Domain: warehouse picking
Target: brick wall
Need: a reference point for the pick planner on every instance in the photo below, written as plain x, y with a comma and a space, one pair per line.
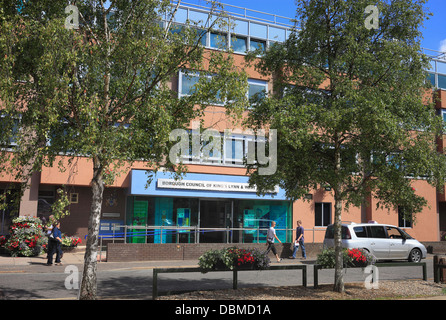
119, 252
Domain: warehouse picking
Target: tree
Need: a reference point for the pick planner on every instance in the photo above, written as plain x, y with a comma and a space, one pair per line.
351, 108
105, 89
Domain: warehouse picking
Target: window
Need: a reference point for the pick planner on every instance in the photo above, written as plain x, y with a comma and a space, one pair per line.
201, 37
234, 149
394, 233
11, 128
74, 197
257, 44
322, 214
345, 233
187, 82
377, 232
218, 40
238, 44
361, 232
257, 88
404, 218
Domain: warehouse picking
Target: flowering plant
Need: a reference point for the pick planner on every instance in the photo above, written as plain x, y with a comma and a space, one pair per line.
231, 258
359, 257
70, 241
26, 237
2, 241
351, 258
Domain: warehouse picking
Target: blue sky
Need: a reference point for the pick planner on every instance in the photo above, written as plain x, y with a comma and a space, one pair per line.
434, 31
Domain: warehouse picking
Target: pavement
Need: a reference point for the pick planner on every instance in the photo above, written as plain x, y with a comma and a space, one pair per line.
38, 264
76, 257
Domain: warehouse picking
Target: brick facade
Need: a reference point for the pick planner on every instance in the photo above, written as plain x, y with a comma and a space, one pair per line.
120, 252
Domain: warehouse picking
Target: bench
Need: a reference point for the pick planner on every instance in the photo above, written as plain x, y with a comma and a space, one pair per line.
157, 271
317, 267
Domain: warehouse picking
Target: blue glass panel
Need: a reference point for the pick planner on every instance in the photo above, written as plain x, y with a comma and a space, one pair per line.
441, 81
238, 44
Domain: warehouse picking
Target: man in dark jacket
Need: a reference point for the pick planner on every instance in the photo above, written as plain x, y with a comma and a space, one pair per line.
299, 241
55, 245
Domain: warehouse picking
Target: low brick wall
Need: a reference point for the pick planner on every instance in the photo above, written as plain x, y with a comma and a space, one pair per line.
438, 247
121, 252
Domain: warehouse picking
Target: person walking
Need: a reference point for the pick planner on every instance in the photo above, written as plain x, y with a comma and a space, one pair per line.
299, 242
270, 236
55, 245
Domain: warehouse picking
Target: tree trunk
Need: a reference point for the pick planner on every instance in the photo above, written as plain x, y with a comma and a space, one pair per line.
339, 266
89, 280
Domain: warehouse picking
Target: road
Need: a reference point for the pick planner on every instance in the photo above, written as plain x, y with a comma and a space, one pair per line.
134, 280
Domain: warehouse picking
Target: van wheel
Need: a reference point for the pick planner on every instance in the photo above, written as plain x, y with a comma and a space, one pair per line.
415, 255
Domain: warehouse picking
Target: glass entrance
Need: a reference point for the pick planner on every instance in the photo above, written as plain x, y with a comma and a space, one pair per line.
215, 214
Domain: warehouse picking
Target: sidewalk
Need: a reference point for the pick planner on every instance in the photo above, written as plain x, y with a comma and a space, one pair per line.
35, 265
24, 264
76, 257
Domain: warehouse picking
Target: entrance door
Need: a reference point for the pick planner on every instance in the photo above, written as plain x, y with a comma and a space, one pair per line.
215, 214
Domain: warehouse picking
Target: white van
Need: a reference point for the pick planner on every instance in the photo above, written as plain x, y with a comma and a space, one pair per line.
385, 242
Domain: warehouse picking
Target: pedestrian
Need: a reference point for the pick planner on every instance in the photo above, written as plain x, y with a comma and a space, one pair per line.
55, 245
299, 242
48, 229
270, 236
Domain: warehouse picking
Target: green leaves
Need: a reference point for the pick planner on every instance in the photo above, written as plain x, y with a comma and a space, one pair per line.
346, 96
109, 88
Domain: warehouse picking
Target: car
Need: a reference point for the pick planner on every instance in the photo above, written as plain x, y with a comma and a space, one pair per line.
385, 242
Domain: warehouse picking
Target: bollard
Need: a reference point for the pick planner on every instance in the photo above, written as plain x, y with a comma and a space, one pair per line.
439, 270
442, 262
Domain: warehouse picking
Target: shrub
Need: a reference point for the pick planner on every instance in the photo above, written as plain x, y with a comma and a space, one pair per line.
351, 258
70, 241
360, 258
231, 258
26, 237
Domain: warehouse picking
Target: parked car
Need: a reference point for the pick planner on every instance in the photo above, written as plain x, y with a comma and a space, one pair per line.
385, 242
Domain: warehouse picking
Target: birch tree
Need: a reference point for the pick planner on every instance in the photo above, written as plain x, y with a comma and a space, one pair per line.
98, 80
351, 108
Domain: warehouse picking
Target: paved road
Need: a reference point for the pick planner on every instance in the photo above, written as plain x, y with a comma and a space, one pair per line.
134, 280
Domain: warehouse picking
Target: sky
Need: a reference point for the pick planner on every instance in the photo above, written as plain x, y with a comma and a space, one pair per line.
434, 31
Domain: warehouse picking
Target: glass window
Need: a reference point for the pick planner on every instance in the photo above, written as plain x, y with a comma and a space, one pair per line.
394, 233
377, 232
360, 232
257, 44
322, 214
404, 219
277, 34
201, 37
147, 213
234, 149
258, 30
187, 83
257, 87
441, 81
441, 67
238, 44
218, 40
257, 215
431, 78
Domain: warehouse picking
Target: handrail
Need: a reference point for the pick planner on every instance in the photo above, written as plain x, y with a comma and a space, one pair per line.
164, 230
